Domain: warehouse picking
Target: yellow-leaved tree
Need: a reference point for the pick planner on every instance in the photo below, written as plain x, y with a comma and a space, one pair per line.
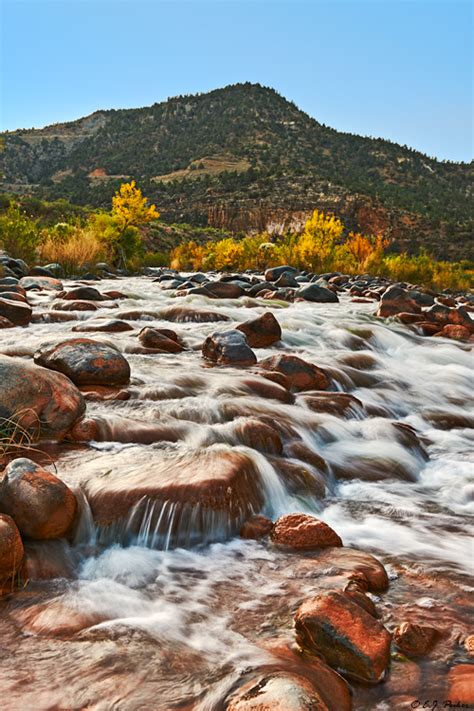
315, 247
129, 207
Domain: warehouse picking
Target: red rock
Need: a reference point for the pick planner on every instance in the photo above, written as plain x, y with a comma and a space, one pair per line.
48, 402
228, 348
300, 374
469, 645
85, 362
261, 332
75, 306
415, 640
427, 328
303, 532
461, 684
356, 565
256, 527
339, 404
42, 506
457, 333
405, 317
349, 638
396, 300
404, 677
121, 429
157, 339
11, 551
258, 435
361, 599
82, 293
263, 388
18, 313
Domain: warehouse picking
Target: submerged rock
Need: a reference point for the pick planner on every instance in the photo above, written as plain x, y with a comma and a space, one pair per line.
303, 532
415, 640
85, 362
42, 506
348, 637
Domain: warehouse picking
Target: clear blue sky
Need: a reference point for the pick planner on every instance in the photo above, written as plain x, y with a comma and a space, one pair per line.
400, 69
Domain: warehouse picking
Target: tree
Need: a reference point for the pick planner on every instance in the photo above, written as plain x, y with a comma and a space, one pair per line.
130, 208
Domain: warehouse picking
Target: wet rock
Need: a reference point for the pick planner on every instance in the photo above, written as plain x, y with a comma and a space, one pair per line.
408, 318
405, 677
5, 323
349, 638
300, 374
469, 645
41, 505
258, 435
267, 389
303, 532
85, 362
427, 328
256, 527
46, 402
83, 293
11, 551
357, 565
299, 478
339, 404
445, 420
299, 450
456, 333
360, 598
286, 279
160, 339
261, 332
75, 306
258, 289
316, 293
275, 272
415, 640
460, 685
219, 290
41, 283
284, 691
105, 326
228, 348
16, 312
121, 429
396, 300
186, 314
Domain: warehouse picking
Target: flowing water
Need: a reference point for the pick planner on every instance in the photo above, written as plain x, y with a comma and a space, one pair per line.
165, 607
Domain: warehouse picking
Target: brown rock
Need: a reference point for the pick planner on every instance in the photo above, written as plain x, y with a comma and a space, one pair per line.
349, 638
11, 550
263, 388
41, 400
405, 317
303, 532
5, 323
258, 435
17, 312
186, 314
339, 404
356, 565
396, 300
159, 340
256, 527
107, 326
121, 429
75, 306
415, 640
427, 328
457, 333
469, 645
461, 684
85, 362
83, 293
300, 374
300, 479
261, 332
42, 283
41, 505
228, 348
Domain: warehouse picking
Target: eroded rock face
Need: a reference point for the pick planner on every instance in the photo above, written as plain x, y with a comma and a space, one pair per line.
46, 402
261, 332
300, 375
303, 532
85, 362
11, 550
347, 636
228, 348
41, 505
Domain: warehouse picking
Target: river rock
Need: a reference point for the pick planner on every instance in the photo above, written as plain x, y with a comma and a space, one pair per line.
460, 685
228, 348
121, 429
415, 640
85, 362
261, 332
160, 339
219, 290
16, 312
300, 374
339, 404
106, 326
300, 531
285, 691
349, 638
186, 314
42, 283
275, 272
396, 300
75, 306
256, 527
42, 506
456, 333
258, 435
11, 550
5, 323
48, 402
316, 293
83, 293
357, 565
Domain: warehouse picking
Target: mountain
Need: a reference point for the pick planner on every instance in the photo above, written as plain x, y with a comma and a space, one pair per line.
244, 158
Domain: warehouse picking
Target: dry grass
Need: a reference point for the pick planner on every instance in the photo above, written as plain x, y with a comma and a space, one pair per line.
73, 252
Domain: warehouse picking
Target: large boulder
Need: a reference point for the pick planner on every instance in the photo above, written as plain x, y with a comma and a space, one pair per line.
348, 637
314, 292
396, 300
41, 400
261, 332
41, 505
228, 348
17, 312
85, 362
11, 550
300, 374
300, 531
